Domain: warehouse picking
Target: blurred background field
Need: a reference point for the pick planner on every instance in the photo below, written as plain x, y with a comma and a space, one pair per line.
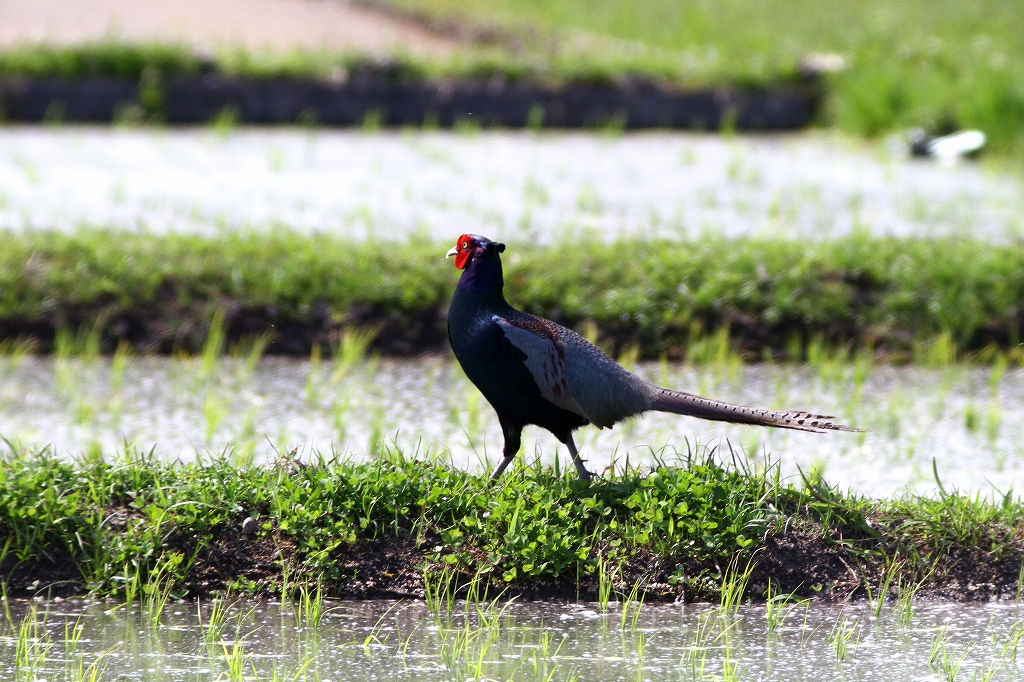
943, 65
939, 65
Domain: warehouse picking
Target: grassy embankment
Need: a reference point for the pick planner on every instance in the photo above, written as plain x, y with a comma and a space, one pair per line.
903, 299
939, 64
136, 527
141, 528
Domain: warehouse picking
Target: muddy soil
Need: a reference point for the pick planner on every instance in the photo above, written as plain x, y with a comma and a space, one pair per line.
799, 559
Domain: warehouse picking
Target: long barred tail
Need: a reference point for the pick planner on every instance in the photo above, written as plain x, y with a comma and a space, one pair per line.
696, 406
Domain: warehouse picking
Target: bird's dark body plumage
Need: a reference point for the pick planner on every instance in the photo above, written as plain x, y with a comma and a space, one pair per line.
498, 368
534, 371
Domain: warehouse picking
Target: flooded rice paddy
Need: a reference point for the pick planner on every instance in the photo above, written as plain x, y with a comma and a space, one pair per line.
968, 419
381, 641
507, 185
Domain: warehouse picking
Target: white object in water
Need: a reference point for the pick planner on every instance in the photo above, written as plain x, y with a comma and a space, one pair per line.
948, 148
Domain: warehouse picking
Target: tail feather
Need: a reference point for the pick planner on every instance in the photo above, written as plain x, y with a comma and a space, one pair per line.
704, 408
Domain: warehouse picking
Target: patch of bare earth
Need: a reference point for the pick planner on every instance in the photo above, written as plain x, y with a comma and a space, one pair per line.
799, 559
280, 25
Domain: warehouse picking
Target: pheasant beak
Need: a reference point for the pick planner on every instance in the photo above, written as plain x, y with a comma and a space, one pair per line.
454, 251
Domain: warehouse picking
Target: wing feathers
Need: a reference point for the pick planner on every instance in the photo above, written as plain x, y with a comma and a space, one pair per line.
545, 358
576, 376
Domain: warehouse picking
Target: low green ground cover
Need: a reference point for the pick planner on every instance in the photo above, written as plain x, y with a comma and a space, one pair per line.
940, 64
134, 524
772, 297
150, 61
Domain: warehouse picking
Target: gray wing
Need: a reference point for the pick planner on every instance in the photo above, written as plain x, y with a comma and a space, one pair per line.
574, 374
545, 358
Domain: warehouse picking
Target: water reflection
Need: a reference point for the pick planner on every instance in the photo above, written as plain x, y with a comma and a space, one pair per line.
521, 641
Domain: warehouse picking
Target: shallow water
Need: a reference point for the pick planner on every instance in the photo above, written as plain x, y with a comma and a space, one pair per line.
508, 185
969, 420
530, 641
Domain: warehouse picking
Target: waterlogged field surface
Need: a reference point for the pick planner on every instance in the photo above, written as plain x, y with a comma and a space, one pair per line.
508, 185
969, 419
524, 641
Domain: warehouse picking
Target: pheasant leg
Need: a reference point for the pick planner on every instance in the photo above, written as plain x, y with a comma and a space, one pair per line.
577, 460
513, 441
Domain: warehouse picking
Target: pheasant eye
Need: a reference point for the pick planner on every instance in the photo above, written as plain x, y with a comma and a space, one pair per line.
465, 245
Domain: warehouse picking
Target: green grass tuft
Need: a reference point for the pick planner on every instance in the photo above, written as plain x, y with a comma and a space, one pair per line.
909, 297
138, 527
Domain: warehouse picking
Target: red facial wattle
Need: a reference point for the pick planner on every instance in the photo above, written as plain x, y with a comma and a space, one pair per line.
465, 247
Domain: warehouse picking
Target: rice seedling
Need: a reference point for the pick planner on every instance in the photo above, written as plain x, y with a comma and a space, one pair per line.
216, 620
605, 584
213, 348
840, 636
118, 366
467, 126
993, 420
297, 671
938, 644
950, 659
777, 607
986, 674
32, 647
641, 648
312, 389
376, 446
541, 657
629, 355
75, 668
456, 648
373, 638
936, 353
695, 655
372, 122
904, 606
286, 586
438, 591
235, 659
224, 122
84, 411
352, 349
972, 419
863, 364
830, 363
244, 448
876, 599
730, 668
309, 610
1000, 362
490, 617
632, 605
1011, 642
472, 408
131, 582
13, 351
340, 407
251, 350
714, 351
215, 410
159, 585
